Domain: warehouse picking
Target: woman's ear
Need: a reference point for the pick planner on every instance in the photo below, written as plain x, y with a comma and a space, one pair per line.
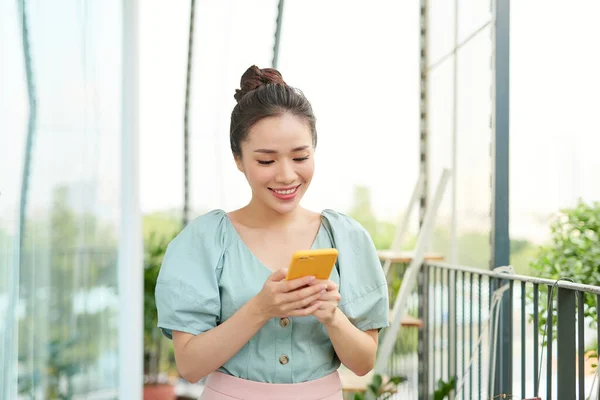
238, 162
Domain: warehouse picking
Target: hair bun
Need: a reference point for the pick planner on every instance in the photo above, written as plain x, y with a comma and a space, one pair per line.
255, 77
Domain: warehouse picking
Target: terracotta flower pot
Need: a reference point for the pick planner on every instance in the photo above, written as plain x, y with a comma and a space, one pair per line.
159, 391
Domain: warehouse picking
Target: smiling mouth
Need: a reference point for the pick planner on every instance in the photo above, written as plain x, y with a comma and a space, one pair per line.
285, 192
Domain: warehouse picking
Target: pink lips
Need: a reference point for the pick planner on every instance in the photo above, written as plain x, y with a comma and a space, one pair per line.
287, 196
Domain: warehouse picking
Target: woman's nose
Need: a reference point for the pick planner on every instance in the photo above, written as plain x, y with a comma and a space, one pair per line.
285, 173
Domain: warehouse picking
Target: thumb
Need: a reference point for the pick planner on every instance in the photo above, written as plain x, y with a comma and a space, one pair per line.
278, 275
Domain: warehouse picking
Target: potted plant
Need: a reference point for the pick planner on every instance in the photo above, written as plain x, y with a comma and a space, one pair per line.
156, 381
381, 389
573, 252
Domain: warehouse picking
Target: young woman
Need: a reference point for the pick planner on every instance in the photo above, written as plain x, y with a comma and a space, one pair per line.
221, 294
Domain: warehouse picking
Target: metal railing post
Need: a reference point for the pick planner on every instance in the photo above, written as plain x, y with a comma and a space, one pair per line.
423, 341
565, 340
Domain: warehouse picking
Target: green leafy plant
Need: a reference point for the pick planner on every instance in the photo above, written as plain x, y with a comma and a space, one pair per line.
155, 247
573, 253
380, 389
444, 388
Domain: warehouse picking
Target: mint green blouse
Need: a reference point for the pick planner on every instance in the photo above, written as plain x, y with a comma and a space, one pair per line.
208, 273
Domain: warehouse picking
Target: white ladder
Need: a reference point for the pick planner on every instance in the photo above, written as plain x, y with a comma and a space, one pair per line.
412, 272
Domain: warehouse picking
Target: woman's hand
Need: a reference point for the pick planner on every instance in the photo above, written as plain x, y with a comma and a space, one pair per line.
328, 303
280, 298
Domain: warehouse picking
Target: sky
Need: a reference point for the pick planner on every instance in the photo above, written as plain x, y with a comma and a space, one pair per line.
356, 61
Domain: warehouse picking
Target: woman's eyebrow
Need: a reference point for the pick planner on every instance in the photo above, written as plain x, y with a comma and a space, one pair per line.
299, 148
270, 151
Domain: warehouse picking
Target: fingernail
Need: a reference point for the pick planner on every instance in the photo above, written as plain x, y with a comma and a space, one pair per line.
312, 278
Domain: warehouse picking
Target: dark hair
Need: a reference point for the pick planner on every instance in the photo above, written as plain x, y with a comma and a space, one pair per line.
264, 94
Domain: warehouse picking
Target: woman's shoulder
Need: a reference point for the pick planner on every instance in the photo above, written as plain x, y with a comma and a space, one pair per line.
339, 220
200, 243
207, 230
212, 216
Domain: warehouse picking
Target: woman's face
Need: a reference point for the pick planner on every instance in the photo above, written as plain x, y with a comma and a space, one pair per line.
277, 160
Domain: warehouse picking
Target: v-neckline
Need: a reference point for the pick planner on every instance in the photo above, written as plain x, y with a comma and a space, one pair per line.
247, 248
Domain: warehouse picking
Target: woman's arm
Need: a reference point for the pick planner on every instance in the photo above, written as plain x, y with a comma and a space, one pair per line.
198, 356
356, 349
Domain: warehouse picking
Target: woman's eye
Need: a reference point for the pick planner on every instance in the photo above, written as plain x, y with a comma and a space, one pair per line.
265, 162
301, 159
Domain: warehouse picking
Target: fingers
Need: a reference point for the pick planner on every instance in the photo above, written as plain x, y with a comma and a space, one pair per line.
307, 301
302, 312
331, 285
301, 294
324, 298
331, 296
289, 286
299, 297
327, 299
278, 275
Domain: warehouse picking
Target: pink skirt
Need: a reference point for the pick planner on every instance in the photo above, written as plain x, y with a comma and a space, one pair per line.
220, 386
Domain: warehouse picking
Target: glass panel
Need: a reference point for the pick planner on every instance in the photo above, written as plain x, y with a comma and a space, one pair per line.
553, 117
472, 15
472, 173
473, 195
362, 86
237, 43
67, 310
440, 152
13, 131
367, 112
162, 99
441, 29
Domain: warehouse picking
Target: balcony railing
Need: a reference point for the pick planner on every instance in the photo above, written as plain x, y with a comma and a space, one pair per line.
502, 334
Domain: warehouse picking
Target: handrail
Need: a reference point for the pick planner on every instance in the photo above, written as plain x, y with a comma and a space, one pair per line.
558, 283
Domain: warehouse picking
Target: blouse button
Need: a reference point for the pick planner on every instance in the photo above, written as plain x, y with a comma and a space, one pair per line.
284, 322
283, 359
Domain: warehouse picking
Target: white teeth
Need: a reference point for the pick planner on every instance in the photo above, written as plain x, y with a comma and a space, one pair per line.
289, 191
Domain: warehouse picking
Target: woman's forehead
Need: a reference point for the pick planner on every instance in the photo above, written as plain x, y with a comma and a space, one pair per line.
279, 133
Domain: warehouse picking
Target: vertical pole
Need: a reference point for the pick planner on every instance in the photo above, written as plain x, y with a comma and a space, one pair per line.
8, 363
598, 336
277, 41
536, 335
565, 338
453, 229
423, 341
130, 267
581, 344
186, 120
549, 344
500, 241
452, 327
424, 107
523, 340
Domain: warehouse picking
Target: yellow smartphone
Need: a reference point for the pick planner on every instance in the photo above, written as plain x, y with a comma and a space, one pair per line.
317, 263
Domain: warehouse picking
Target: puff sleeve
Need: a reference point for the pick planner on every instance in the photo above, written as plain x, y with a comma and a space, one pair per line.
187, 288
363, 286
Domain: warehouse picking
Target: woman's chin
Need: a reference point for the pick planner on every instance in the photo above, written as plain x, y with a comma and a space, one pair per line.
284, 207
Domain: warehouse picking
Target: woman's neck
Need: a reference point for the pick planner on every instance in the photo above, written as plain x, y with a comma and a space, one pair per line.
261, 216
